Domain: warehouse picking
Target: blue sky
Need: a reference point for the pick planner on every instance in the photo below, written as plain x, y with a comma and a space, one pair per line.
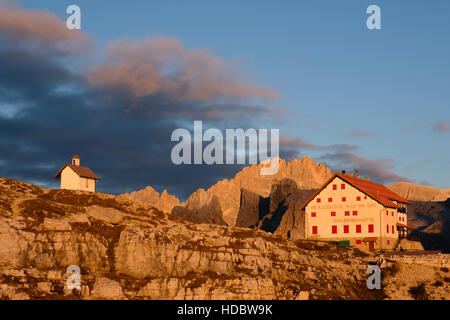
334, 73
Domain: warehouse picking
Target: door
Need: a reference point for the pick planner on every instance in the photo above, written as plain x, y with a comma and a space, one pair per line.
371, 246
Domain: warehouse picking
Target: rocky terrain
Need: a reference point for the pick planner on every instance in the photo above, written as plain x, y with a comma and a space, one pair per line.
306, 173
270, 203
429, 213
164, 201
432, 220
414, 192
201, 207
279, 213
128, 250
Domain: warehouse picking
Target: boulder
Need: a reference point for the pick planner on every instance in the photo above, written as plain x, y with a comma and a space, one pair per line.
56, 225
107, 289
108, 215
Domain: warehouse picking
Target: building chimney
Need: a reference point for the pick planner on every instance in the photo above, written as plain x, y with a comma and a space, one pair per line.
367, 178
350, 174
343, 172
76, 160
358, 176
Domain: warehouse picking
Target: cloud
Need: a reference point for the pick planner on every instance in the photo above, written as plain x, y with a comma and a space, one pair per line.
290, 142
443, 126
361, 134
40, 29
379, 170
163, 66
120, 128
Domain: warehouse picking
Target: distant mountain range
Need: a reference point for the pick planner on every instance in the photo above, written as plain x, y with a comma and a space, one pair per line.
415, 192
306, 173
271, 203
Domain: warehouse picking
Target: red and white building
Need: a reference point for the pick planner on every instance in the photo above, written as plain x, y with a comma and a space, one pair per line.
367, 214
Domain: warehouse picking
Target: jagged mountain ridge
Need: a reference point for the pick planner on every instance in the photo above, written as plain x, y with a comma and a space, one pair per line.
415, 192
306, 173
164, 201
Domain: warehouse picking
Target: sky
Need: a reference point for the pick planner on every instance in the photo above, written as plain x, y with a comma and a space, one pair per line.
344, 95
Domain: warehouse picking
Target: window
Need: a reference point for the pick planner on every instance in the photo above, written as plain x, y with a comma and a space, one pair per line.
358, 228
355, 213
318, 200
403, 219
365, 197
87, 183
330, 199
344, 199
313, 214
333, 213
387, 213
393, 229
347, 213
358, 241
334, 186
392, 213
334, 229
343, 186
358, 198
388, 242
371, 228
387, 228
346, 229
314, 230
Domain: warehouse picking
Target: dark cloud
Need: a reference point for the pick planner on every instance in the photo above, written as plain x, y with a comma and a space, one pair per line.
119, 114
299, 143
379, 170
50, 109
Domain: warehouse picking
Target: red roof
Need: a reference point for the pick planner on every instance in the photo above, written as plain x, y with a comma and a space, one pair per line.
374, 190
84, 172
405, 226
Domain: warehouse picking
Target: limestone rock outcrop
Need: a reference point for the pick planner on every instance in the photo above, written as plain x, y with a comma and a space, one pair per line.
201, 207
414, 192
251, 209
279, 213
106, 289
306, 173
149, 254
432, 220
164, 201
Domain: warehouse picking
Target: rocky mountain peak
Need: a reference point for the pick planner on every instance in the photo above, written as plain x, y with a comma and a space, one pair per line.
416, 192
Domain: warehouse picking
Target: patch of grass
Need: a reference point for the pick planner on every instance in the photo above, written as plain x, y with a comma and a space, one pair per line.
392, 270
418, 292
244, 234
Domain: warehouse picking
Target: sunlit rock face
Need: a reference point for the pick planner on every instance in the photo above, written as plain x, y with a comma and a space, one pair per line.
416, 192
306, 173
128, 250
